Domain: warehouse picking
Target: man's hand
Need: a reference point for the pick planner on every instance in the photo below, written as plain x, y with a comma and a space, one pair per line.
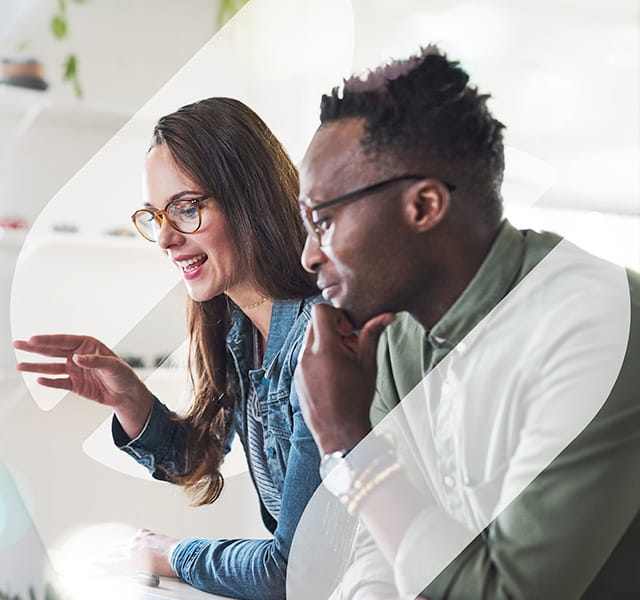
335, 377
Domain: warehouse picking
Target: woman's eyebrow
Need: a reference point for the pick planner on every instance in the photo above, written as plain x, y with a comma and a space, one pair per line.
174, 197
184, 193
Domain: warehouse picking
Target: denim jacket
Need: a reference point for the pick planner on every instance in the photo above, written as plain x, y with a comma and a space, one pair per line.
244, 568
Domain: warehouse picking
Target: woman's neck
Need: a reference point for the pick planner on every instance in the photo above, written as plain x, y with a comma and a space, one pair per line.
260, 316
257, 308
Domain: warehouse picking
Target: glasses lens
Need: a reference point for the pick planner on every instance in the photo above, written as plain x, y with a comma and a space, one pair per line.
306, 214
147, 224
184, 215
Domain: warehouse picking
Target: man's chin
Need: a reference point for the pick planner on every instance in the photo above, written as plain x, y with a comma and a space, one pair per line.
359, 315
357, 318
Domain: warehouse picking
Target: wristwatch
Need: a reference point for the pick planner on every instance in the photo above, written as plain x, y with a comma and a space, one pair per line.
337, 474
340, 472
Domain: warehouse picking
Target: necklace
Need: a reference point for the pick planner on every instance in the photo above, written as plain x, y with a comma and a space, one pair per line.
255, 304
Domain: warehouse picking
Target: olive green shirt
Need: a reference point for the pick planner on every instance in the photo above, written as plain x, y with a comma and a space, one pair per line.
570, 528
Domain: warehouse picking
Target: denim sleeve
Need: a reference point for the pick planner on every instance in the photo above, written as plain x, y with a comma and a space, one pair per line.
256, 569
161, 445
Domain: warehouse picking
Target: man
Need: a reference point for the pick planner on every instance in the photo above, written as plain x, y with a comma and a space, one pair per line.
511, 469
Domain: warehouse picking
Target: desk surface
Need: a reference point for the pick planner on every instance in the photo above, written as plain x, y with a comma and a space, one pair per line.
175, 589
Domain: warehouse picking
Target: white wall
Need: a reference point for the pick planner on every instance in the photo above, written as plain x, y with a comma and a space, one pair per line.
564, 78
127, 50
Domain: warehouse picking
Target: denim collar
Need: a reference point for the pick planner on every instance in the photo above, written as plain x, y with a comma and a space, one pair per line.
283, 316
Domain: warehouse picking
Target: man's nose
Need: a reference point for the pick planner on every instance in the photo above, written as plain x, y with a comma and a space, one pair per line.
312, 255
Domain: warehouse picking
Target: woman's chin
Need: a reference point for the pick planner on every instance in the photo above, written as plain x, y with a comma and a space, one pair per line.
201, 295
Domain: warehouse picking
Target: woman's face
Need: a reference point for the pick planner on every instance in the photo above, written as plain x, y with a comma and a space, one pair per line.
205, 258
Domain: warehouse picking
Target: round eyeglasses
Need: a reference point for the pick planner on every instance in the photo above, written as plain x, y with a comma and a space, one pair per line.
183, 214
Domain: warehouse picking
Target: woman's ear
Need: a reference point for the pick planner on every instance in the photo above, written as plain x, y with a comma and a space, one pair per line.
426, 204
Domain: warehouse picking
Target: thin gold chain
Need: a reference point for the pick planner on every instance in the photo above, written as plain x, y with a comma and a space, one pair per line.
258, 303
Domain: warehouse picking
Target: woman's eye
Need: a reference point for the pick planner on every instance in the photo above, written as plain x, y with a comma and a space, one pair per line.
188, 211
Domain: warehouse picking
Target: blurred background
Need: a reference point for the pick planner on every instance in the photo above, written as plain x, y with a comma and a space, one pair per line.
83, 83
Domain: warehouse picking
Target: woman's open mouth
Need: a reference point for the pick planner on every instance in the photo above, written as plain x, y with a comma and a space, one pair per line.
191, 266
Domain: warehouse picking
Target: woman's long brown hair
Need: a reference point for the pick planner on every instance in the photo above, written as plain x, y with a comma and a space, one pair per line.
227, 150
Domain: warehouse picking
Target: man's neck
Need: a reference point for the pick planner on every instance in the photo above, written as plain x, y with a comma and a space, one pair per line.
460, 266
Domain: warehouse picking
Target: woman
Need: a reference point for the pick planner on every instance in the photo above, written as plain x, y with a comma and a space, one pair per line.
221, 202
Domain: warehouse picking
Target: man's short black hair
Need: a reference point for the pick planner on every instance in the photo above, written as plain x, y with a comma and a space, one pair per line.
422, 113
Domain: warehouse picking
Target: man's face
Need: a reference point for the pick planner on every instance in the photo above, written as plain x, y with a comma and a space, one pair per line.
361, 259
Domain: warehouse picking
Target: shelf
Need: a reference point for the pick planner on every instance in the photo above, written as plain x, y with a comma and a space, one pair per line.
12, 237
61, 239
16, 97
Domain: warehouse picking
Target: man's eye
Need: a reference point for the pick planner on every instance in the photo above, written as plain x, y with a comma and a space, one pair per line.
323, 223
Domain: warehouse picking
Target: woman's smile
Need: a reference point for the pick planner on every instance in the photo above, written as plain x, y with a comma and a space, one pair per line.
190, 265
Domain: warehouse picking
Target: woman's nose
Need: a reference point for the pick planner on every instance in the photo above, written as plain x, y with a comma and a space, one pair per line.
168, 236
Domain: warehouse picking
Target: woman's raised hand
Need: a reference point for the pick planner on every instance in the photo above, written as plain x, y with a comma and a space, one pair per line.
92, 371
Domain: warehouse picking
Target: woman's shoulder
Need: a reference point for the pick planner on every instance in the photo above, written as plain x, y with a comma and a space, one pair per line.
297, 325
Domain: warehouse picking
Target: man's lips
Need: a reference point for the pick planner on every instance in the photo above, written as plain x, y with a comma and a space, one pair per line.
328, 290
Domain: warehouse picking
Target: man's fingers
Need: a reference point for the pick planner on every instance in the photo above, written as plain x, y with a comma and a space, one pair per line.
328, 325
369, 336
307, 341
46, 368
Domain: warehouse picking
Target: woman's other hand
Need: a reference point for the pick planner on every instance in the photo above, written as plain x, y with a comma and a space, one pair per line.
145, 551
92, 371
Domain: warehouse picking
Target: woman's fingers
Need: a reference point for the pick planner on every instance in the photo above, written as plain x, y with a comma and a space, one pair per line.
44, 349
46, 368
60, 340
62, 383
97, 361
60, 345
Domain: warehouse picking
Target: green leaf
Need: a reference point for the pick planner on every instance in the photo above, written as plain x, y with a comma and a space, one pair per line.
228, 8
63, 6
71, 74
59, 26
80, 1
70, 67
77, 88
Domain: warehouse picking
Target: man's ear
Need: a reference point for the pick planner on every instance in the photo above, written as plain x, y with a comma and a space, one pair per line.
426, 204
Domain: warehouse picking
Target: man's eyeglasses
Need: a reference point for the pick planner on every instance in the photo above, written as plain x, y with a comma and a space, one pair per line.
183, 214
317, 225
